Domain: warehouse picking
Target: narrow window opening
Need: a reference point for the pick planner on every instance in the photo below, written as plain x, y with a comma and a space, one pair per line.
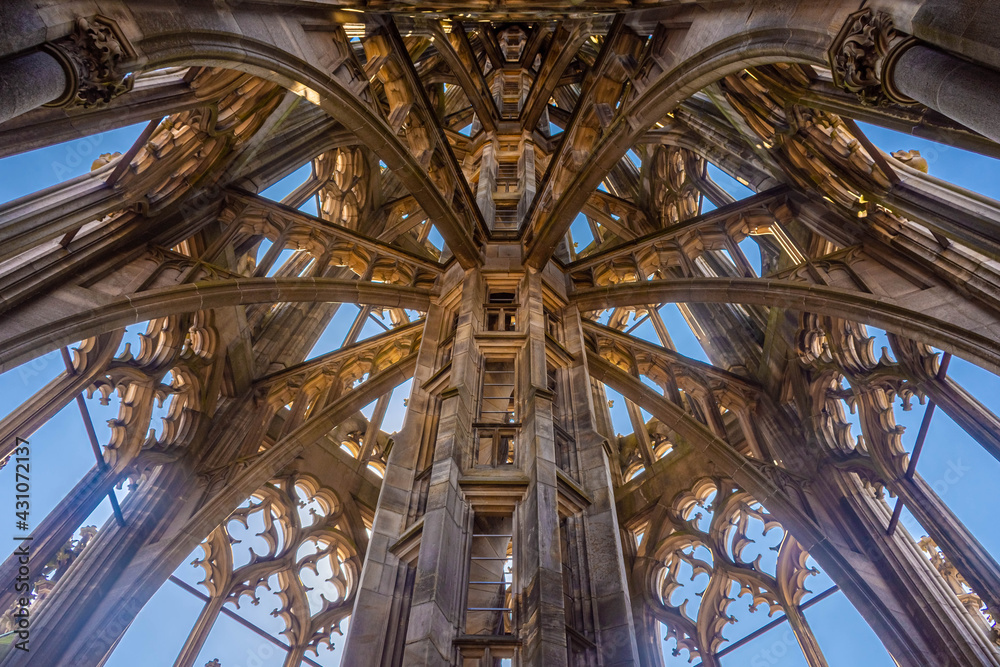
497, 427
501, 311
489, 599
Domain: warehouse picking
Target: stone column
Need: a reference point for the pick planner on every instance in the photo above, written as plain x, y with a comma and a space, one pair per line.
438, 595
83, 69
883, 66
607, 586
199, 633
487, 184
543, 625
29, 81
961, 90
526, 178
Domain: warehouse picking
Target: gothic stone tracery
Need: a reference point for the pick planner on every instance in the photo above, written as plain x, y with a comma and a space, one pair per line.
502, 199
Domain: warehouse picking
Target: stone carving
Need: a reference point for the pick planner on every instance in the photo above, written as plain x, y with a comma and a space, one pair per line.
92, 56
103, 159
913, 159
711, 528
862, 55
960, 587
306, 545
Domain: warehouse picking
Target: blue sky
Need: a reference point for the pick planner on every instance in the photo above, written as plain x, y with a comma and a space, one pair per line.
62, 455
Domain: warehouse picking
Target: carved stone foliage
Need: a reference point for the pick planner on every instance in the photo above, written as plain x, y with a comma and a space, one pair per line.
674, 195
861, 54
308, 551
89, 359
960, 587
344, 192
678, 251
170, 371
847, 373
188, 145
816, 149
704, 561
93, 56
329, 375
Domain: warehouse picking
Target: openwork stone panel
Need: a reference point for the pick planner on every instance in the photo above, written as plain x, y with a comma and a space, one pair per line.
309, 552
708, 532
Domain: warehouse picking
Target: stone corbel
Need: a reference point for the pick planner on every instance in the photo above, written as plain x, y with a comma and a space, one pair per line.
92, 57
864, 54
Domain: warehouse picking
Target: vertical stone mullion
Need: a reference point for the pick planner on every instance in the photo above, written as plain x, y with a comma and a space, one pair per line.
805, 637
609, 584
543, 623
199, 633
641, 434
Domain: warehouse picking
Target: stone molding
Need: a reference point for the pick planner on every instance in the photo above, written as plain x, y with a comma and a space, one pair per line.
92, 57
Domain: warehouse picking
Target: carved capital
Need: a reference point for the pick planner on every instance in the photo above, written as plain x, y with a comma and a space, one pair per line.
92, 56
863, 55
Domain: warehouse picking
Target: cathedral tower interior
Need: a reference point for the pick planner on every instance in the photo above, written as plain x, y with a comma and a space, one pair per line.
641, 334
